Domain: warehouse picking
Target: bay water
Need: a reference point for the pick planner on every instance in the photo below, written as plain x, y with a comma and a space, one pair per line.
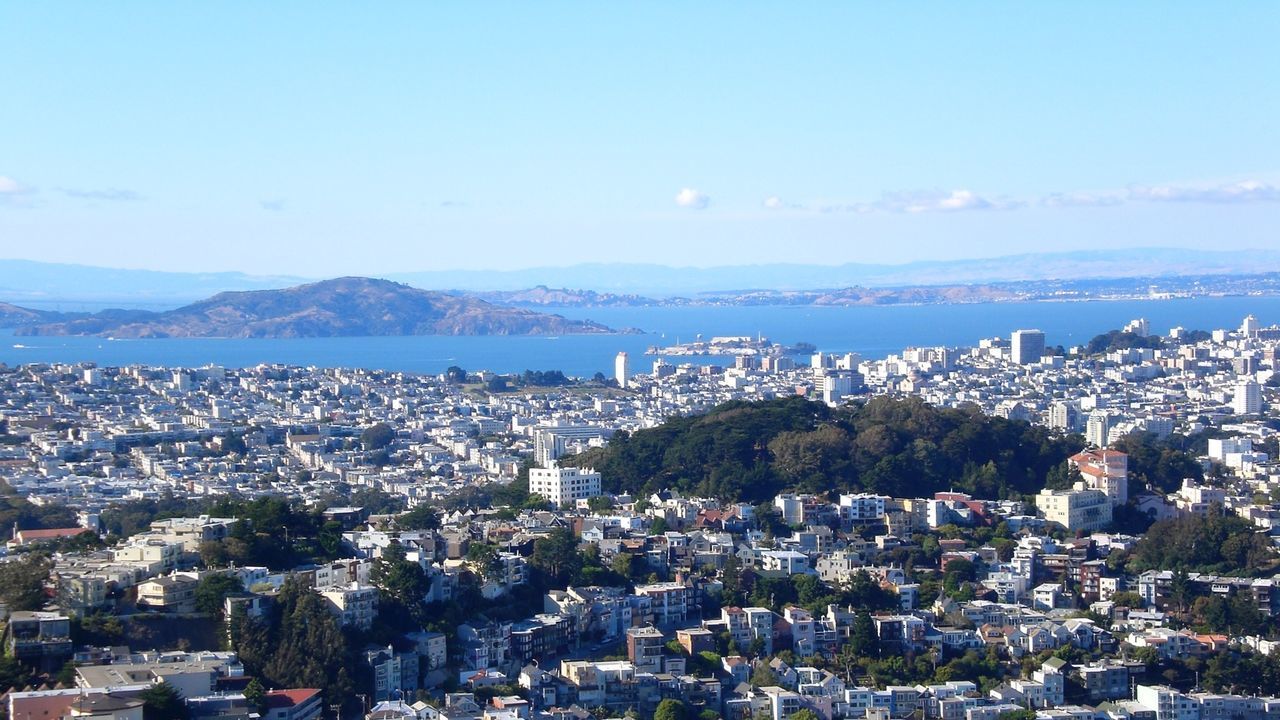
873, 331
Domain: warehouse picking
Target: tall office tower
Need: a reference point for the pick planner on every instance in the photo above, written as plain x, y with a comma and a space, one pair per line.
1027, 346
1063, 415
622, 369
1096, 429
1247, 399
1250, 326
836, 385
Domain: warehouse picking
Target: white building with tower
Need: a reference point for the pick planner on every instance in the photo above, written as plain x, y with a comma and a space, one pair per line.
1106, 471
622, 369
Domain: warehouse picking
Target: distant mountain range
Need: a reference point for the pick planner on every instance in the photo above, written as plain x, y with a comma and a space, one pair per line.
662, 280
343, 307
59, 286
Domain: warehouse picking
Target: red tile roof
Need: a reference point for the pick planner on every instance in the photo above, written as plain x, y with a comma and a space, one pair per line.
290, 698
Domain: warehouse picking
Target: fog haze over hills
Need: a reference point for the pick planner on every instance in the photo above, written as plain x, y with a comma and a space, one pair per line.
45, 285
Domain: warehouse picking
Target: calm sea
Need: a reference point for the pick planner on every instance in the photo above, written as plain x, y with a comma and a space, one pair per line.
872, 331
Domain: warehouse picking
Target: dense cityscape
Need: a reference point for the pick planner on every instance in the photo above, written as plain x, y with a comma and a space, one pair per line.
996, 532
640, 361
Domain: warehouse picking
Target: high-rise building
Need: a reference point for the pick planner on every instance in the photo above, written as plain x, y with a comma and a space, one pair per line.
622, 369
1064, 415
1027, 346
836, 385
1249, 327
550, 443
1247, 399
1096, 429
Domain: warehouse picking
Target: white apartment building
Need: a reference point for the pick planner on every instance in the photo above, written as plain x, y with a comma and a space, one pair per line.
355, 605
564, 485
862, 507
1247, 399
1168, 703
1077, 509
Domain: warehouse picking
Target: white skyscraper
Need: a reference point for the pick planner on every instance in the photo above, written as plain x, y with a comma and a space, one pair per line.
835, 386
1027, 346
1096, 429
1250, 326
1247, 399
622, 369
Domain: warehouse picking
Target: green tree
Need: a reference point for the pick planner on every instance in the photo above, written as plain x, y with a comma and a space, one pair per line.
1128, 599
421, 517
308, 648
671, 709
863, 640
22, 582
557, 556
762, 675
13, 674
256, 696
804, 714
400, 581
162, 701
377, 436
213, 589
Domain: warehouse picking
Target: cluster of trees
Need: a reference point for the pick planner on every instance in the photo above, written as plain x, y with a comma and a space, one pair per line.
1244, 673
1120, 340
1236, 615
1159, 464
16, 510
298, 643
377, 436
22, 582
743, 587
559, 560
1214, 543
544, 378
752, 450
271, 532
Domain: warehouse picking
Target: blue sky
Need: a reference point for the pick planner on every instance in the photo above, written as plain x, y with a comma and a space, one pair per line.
324, 138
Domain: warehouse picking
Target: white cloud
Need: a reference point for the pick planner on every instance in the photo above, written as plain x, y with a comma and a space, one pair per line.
9, 186
273, 205
14, 193
1082, 199
773, 202
110, 194
694, 199
1245, 191
923, 201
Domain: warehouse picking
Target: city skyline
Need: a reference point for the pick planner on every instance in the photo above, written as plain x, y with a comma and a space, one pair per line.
321, 141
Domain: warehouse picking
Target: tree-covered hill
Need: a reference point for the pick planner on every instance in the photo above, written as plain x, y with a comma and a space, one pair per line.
751, 451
